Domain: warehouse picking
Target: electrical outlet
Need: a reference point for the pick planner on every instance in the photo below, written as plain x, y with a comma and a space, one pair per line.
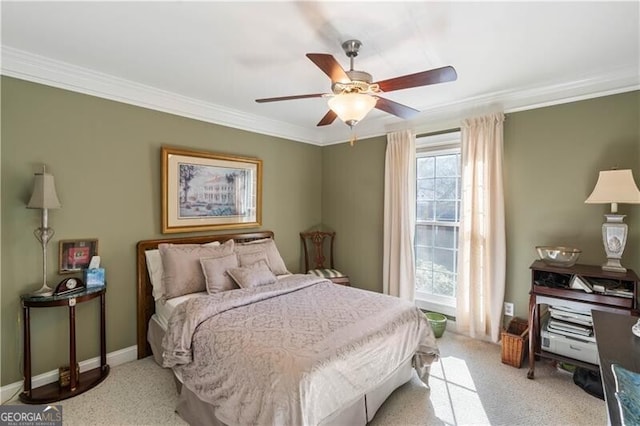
508, 309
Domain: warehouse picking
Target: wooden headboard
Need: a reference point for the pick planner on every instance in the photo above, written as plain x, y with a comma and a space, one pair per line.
146, 306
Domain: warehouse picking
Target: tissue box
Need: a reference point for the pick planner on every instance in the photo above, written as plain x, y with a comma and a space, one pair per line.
94, 277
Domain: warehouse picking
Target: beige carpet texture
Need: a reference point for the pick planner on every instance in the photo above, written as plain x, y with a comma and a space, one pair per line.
469, 386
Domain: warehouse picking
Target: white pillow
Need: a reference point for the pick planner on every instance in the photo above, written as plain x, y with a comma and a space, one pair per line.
155, 271
254, 275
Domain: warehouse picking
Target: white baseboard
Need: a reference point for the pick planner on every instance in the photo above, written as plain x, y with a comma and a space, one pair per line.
11, 391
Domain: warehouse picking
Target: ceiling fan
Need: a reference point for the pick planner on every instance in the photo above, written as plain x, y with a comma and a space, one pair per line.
354, 94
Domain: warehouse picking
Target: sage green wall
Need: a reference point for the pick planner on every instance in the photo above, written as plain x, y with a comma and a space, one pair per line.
552, 159
105, 157
352, 205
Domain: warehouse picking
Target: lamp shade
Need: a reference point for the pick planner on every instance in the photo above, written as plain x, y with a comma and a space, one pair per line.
352, 107
44, 193
615, 186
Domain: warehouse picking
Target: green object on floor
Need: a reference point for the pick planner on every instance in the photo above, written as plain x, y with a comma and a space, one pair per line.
438, 323
564, 366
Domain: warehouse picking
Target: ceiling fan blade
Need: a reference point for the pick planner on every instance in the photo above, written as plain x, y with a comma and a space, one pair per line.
288, 98
395, 108
328, 64
328, 118
424, 78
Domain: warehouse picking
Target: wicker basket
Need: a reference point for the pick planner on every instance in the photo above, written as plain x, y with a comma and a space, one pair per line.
514, 341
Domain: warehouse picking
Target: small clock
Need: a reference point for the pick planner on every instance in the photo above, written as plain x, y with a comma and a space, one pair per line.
69, 285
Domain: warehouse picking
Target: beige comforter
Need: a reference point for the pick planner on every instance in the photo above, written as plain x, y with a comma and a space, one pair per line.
294, 352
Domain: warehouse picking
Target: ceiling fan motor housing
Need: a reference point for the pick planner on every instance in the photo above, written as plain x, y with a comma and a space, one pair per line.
360, 83
360, 80
359, 76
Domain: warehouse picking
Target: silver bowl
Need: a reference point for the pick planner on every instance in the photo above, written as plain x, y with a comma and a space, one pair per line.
564, 257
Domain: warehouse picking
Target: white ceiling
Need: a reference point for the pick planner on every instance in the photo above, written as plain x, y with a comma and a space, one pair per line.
211, 60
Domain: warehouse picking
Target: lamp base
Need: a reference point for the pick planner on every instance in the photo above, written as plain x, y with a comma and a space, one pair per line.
614, 237
45, 291
613, 265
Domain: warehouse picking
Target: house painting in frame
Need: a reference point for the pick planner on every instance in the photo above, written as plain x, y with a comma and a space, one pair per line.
205, 191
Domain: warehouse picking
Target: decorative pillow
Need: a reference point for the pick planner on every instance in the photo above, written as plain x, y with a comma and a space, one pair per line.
253, 276
181, 264
269, 246
247, 259
154, 269
215, 272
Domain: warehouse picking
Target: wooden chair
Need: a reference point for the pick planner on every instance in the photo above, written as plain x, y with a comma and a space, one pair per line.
315, 245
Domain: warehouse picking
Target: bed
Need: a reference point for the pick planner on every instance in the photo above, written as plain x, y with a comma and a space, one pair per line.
300, 350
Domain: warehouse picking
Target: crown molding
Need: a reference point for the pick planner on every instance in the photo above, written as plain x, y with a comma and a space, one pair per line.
39, 69
450, 115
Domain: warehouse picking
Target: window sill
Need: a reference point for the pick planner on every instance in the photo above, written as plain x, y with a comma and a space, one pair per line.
431, 306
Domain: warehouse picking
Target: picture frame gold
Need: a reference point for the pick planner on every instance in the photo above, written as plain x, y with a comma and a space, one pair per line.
75, 255
203, 191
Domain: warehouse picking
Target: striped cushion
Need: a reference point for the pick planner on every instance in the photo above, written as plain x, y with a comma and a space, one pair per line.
326, 273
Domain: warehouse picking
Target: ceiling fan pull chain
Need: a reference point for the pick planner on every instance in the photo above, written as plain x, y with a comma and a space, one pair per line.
354, 138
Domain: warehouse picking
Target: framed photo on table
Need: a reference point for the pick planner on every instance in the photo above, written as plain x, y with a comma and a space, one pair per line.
75, 255
205, 191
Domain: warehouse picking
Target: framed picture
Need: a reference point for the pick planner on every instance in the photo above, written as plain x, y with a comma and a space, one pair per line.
75, 255
205, 191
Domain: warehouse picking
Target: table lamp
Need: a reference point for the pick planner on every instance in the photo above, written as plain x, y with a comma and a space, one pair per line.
44, 197
615, 187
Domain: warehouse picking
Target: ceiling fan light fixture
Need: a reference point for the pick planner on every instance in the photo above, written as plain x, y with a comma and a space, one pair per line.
352, 107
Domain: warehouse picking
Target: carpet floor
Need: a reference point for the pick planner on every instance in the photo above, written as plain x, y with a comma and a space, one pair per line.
469, 385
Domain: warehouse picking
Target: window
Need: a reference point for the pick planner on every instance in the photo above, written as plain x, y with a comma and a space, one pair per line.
438, 203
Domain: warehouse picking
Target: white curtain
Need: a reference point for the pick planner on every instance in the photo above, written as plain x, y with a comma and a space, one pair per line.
398, 272
482, 247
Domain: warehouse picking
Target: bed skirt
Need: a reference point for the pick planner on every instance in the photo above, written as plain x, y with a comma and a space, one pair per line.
361, 411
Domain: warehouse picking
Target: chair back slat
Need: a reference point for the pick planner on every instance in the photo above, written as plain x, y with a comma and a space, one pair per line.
314, 249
